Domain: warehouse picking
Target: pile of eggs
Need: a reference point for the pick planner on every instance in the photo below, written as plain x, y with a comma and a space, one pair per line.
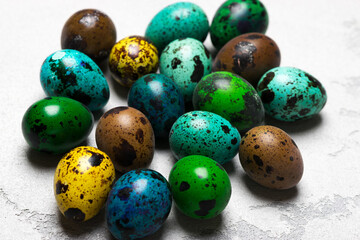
228, 97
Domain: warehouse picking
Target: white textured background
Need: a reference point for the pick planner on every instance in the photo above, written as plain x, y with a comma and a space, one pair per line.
321, 37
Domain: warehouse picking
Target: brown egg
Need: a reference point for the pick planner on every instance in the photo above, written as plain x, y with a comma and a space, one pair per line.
271, 158
91, 32
248, 55
126, 135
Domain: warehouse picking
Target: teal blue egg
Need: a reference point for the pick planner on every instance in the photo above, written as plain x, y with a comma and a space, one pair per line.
70, 73
185, 61
178, 20
289, 94
206, 134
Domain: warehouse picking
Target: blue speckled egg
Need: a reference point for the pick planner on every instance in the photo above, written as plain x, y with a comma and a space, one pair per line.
204, 133
70, 73
138, 204
185, 61
178, 20
158, 97
289, 94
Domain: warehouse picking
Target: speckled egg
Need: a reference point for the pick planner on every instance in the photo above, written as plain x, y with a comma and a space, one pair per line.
200, 186
204, 133
158, 97
236, 17
132, 58
185, 61
89, 31
56, 124
178, 20
70, 73
271, 158
232, 97
138, 204
126, 135
82, 182
290, 94
248, 55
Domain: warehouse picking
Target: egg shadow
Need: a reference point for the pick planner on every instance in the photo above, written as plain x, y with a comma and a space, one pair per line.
302, 125
230, 167
98, 114
121, 91
43, 159
162, 144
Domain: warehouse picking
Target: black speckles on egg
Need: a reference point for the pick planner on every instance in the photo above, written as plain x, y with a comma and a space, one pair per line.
75, 214
61, 188
124, 193
205, 207
184, 186
95, 159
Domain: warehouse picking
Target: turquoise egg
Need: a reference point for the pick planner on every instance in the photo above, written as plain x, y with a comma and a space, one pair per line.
204, 133
70, 73
185, 61
289, 94
178, 20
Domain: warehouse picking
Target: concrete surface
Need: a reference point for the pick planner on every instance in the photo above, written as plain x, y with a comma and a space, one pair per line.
321, 37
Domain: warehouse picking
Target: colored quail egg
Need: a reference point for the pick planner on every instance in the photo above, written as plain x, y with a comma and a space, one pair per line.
185, 61
232, 97
249, 55
132, 58
271, 158
56, 124
178, 20
126, 135
290, 94
89, 31
82, 182
236, 17
158, 97
138, 204
200, 186
70, 73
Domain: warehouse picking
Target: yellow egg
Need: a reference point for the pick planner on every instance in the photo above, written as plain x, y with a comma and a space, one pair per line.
132, 58
82, 182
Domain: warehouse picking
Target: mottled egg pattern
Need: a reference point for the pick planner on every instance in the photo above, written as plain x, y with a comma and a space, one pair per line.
204, 133
126, 135
271, 158
70, 73
236, 17
248, 55
178, 20
232, 97
89, 31
132, 58
56, 124
158, 97
185, 61
290, 94
200, 186
138, 204
82, 182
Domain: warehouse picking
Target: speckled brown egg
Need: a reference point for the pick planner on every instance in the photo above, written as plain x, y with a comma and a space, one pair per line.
271, 158
91, 32
126, 135
248, 55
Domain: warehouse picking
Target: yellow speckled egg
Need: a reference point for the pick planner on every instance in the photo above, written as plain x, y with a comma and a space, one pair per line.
132, 58
82, 182
271, 158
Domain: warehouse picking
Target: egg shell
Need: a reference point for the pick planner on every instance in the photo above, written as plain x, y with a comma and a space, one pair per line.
185, 61
290, 94
126, 135
56, 124
204, 133
200, 186
82, 182
271, 158
236, 17
70, 73
248, 55
158, 97
178, 20
232, 97
132, 58
138, 204
89, 31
